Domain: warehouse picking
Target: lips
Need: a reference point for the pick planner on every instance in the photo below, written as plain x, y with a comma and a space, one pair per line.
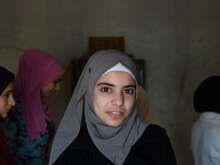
115, 115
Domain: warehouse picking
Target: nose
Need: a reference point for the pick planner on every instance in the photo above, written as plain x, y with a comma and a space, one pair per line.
11, 100
118, 99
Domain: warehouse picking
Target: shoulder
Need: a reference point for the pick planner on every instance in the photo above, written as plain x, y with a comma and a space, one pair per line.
154, 132
154, 135
154, 146
156, 138
207, 130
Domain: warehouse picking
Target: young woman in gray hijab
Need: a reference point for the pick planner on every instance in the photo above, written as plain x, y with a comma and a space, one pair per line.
101, 126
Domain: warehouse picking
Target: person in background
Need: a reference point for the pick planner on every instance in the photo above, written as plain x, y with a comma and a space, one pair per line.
101, 125
6, 103
205, 140
38, 77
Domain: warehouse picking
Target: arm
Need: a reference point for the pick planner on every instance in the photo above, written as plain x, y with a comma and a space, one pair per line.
212, 146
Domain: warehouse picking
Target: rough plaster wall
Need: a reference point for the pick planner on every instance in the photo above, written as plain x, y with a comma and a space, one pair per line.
51, 26
64, 29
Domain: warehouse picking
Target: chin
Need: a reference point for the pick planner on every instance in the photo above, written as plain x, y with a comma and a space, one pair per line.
4, 115
114, 124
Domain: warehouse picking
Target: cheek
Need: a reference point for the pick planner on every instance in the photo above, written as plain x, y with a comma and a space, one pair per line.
2, 104
100, 103
51, 87
129, 103
97, 103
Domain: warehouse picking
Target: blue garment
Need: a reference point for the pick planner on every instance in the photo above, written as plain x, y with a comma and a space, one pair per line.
205, 141
26, 152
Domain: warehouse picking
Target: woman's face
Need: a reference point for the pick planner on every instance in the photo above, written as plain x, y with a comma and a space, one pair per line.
6, 100
51, 88
114, 97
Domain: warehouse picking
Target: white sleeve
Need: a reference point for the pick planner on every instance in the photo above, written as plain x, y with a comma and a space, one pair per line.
213, 145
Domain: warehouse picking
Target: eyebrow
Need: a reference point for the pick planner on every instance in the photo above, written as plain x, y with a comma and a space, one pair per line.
58, 80
9, 91
112, 85
104, 83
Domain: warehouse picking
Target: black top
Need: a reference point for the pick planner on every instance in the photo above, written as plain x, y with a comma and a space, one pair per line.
153, 148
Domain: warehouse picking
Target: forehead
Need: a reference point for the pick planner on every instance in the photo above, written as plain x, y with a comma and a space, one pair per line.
117, 78
10, 87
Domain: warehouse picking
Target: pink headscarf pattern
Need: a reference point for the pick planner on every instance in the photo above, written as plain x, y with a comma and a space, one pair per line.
35, 70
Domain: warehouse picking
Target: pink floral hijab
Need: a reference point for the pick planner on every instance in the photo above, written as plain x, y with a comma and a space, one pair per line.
35, 70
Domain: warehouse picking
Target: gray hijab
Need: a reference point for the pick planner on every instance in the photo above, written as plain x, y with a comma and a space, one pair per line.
113, 142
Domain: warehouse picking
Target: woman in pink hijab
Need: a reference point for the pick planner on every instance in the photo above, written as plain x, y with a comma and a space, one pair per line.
37, 77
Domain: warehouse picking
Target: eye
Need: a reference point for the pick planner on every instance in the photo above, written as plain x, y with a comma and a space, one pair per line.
130, 91
57, 81
8, 94
105, 89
